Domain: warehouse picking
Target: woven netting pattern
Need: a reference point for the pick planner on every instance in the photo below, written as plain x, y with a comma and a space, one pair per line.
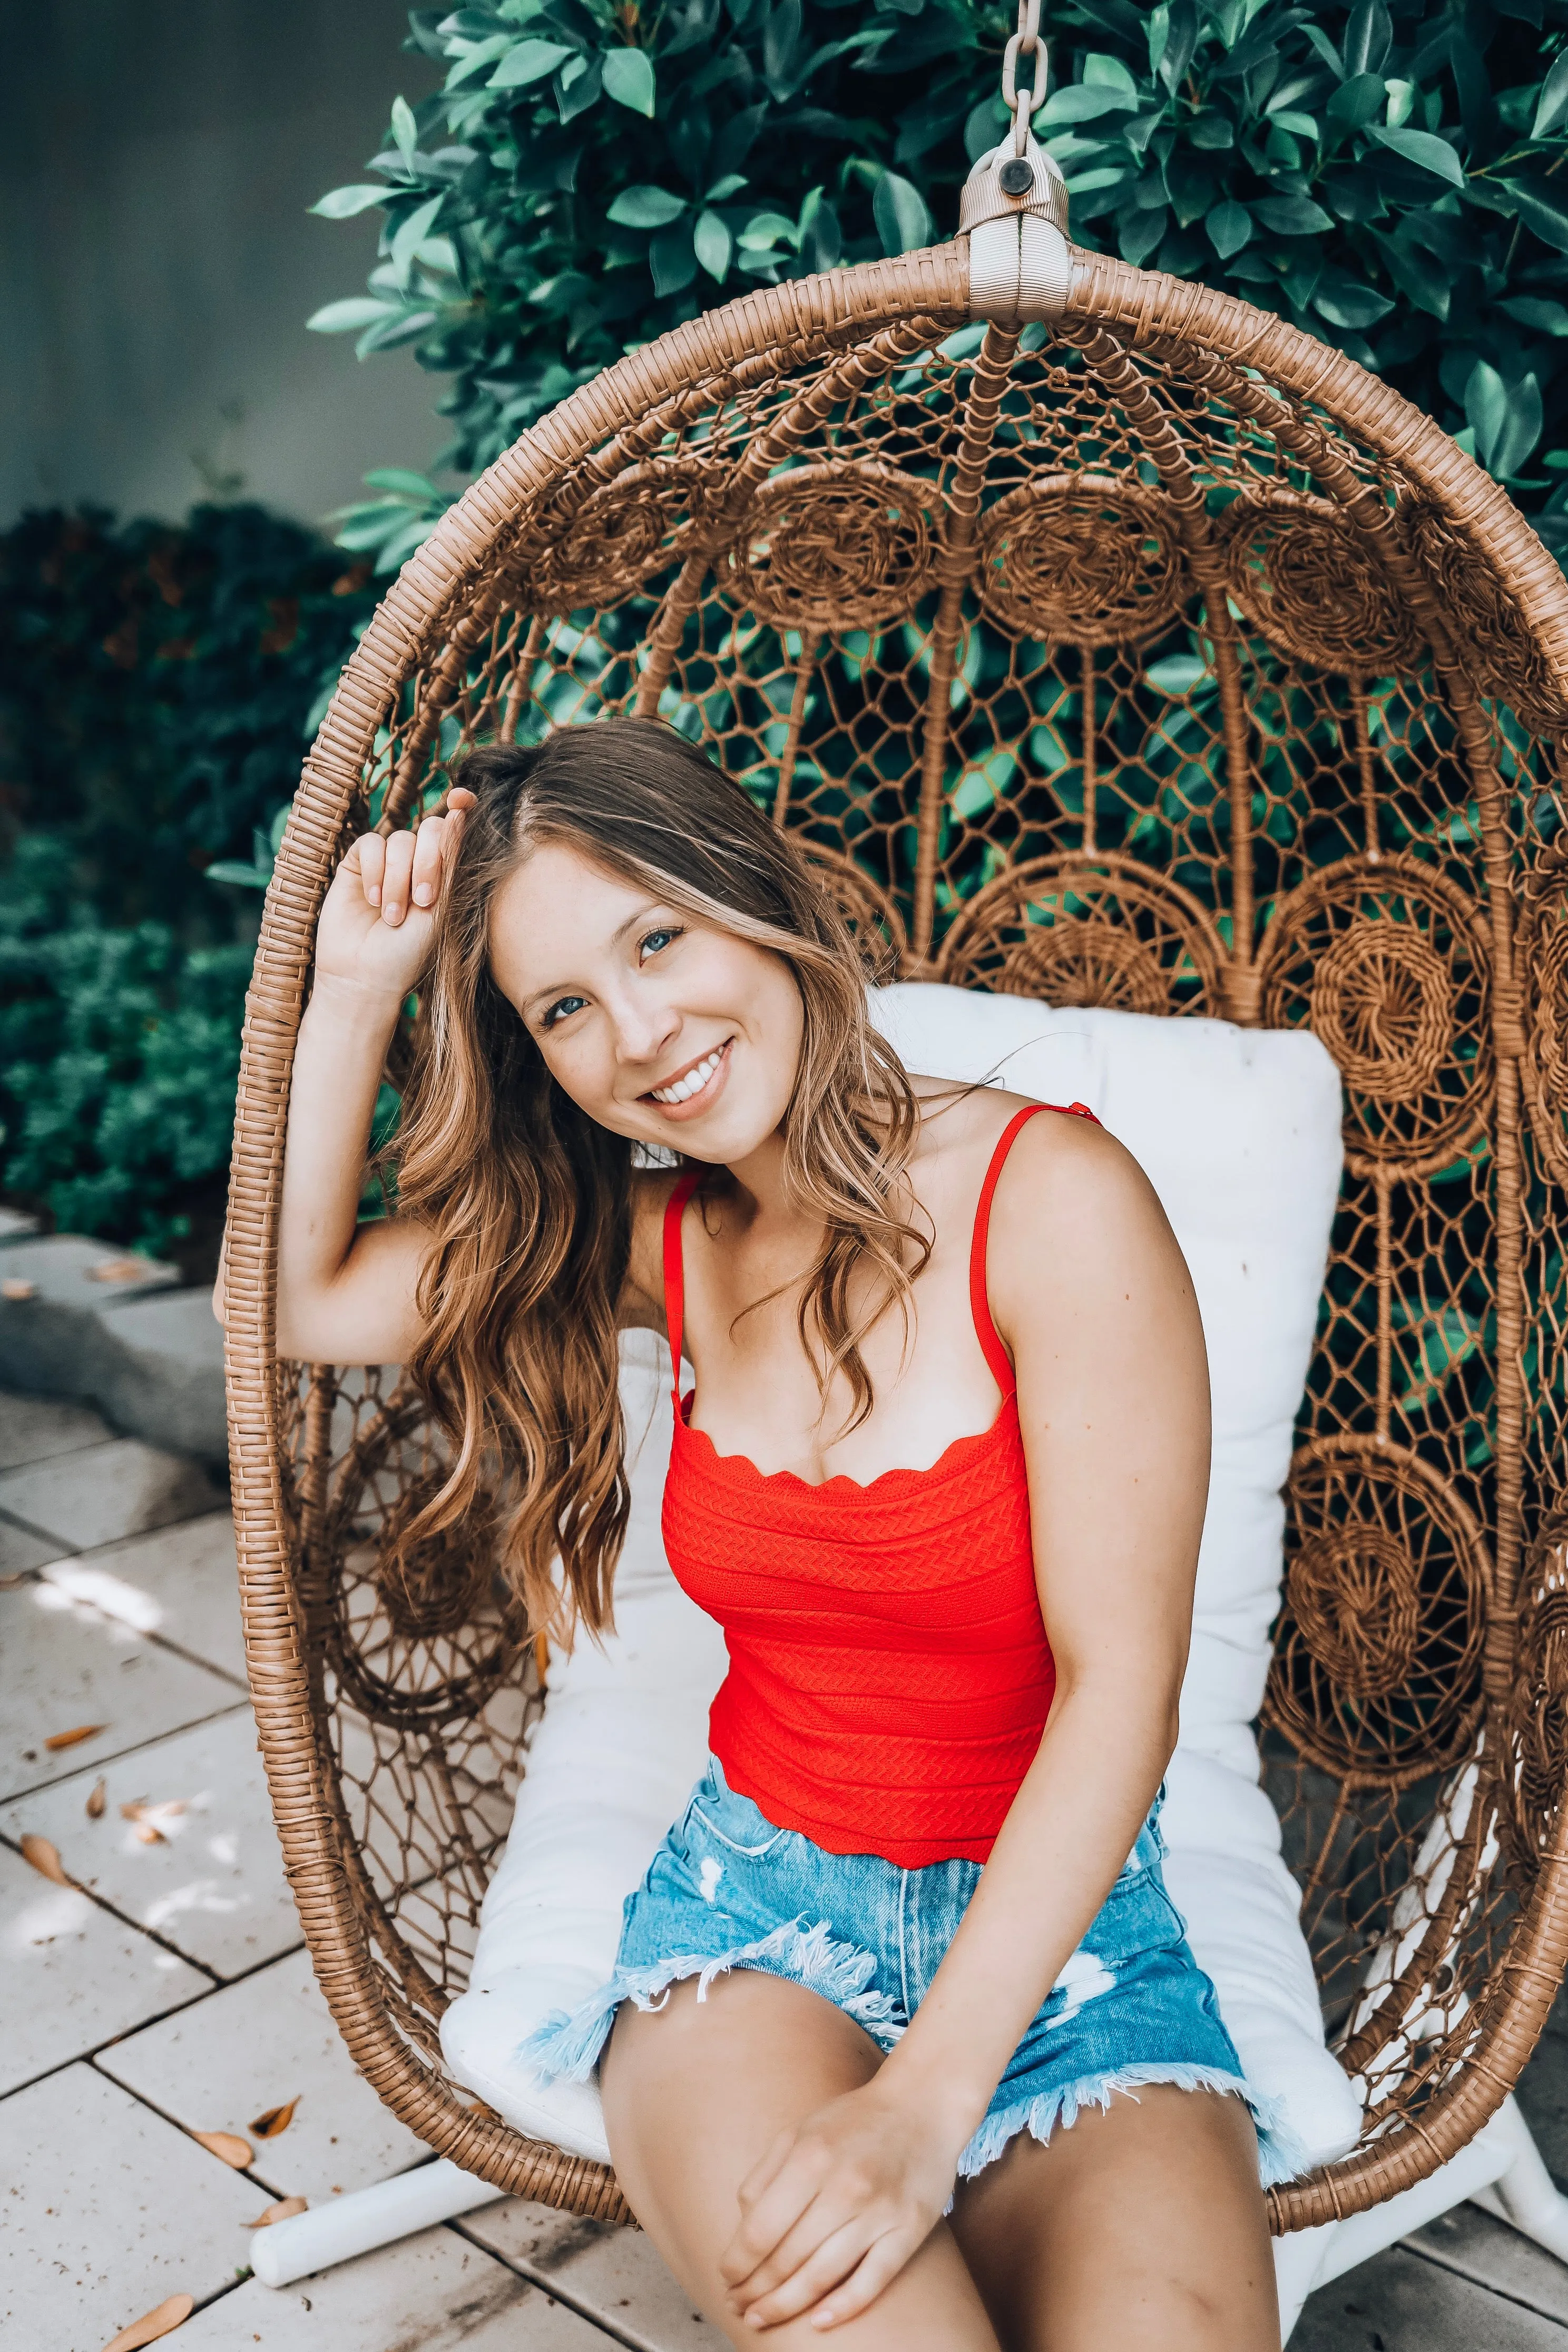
1108, 676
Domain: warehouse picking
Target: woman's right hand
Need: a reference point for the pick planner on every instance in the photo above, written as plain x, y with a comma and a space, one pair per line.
378, 925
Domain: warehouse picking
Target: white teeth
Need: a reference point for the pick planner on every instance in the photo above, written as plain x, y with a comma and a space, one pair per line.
692, 1083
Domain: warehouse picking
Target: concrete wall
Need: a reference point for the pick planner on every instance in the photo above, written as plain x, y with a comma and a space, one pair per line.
157, 263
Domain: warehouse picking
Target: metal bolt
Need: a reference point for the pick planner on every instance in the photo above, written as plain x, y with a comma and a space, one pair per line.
1017, 176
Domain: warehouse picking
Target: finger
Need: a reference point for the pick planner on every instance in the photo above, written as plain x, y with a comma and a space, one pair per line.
370, 855
766, 2167
394, 883
823, 2221
425, 877
459, 799
827, 2272
771, 2220
877, 2269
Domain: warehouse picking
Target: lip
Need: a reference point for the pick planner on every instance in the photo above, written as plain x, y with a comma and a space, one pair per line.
695, 1105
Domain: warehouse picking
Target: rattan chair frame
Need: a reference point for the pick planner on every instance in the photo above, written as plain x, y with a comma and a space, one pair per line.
839, 332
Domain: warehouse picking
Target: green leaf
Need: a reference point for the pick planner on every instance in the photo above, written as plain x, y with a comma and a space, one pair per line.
1345, 303
1551, 106
412, 232
1544, 215
1083, 103
764, 231
1424, 148
401, 482
672, 260
713, 245
1229, 225
629, 80
1545, 316
530, 61
904, 223
1291, 216
646, 208
1506, 419
405, 131
1178, 672
245, 878
1357, 102
353, 312
342, 204
1108, 73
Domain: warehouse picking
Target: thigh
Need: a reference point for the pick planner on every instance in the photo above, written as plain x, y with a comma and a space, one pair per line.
694, 2093
1142, 2227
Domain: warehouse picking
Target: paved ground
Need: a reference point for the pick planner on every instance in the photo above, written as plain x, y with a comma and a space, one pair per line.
165, 1992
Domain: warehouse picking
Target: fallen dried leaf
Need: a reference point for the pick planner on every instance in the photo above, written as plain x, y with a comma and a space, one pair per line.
284, 2211
274, 2120
15, 1288
119, 1269
73, 1738
229, 2147
45, 1858
148, 1818
97, 1799
153, 2323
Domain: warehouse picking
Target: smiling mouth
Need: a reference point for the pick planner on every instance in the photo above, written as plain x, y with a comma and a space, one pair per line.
693, 1081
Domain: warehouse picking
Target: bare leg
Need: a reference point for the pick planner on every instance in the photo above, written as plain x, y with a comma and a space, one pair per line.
695, 2092
1142, 2227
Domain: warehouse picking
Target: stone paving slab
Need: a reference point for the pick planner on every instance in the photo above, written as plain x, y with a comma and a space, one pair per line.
256, 2045
433, 2293
180, 1582
1398, 2303
34, 1429
1486, 2251
106, 2211
611, 2275
22, 1548
211, 1883
105, 1492
66, 1665
73, 1974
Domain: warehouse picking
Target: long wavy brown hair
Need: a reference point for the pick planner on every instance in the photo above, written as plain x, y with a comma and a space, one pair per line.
529, 1201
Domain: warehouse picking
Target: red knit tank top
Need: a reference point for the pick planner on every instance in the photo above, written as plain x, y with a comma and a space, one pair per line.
889, 1675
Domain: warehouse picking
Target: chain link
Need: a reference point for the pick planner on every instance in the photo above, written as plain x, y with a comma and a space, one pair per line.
1026, 43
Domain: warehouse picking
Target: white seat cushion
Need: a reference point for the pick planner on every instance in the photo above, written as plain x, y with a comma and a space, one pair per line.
1239, 1132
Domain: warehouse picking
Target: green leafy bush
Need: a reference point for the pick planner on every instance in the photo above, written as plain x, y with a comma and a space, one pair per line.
156, 686
118, 1054
1385, 174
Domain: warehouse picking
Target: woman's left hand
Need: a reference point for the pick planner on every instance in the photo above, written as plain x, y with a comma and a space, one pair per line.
835, 2209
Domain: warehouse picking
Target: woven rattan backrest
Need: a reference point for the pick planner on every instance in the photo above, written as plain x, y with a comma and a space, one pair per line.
1162, 661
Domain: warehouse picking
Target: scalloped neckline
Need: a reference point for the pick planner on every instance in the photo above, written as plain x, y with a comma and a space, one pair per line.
743, 1462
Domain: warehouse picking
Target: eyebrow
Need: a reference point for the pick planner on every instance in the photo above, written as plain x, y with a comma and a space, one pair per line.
564, 988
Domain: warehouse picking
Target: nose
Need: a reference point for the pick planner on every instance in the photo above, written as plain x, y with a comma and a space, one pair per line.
645, 1022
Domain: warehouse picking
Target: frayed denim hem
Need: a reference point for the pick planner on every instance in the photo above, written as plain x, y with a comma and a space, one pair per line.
1281, 2153
566, 2045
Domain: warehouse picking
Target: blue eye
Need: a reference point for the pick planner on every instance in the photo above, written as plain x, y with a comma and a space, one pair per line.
652, 941
563, 1010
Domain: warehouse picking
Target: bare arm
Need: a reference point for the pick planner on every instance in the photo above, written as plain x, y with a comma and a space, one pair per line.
1113, 1399
346, 1293
1093, 1297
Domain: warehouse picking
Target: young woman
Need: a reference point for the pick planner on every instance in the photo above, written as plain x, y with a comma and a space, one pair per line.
907, 2040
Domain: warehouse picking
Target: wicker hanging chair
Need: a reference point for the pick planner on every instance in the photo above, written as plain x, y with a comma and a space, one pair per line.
1106, 640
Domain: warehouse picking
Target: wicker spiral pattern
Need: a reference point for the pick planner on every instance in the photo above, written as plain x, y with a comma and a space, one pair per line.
835, 547
1154, 663
1377, 1654
1082, 556
629, 529
1303, 576
1070, 932
1389, 964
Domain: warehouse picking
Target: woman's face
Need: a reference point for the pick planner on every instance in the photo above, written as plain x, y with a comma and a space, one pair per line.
658, 1026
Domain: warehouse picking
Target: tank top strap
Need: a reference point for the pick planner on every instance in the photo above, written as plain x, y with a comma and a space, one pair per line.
985, 1331
675, 1270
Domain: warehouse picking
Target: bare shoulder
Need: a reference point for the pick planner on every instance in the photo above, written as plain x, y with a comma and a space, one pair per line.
1073, 1205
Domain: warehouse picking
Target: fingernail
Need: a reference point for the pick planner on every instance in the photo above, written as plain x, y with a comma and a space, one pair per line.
423, 894
373, 895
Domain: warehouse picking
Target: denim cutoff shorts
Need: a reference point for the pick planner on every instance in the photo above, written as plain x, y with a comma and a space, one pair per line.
727, 1889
